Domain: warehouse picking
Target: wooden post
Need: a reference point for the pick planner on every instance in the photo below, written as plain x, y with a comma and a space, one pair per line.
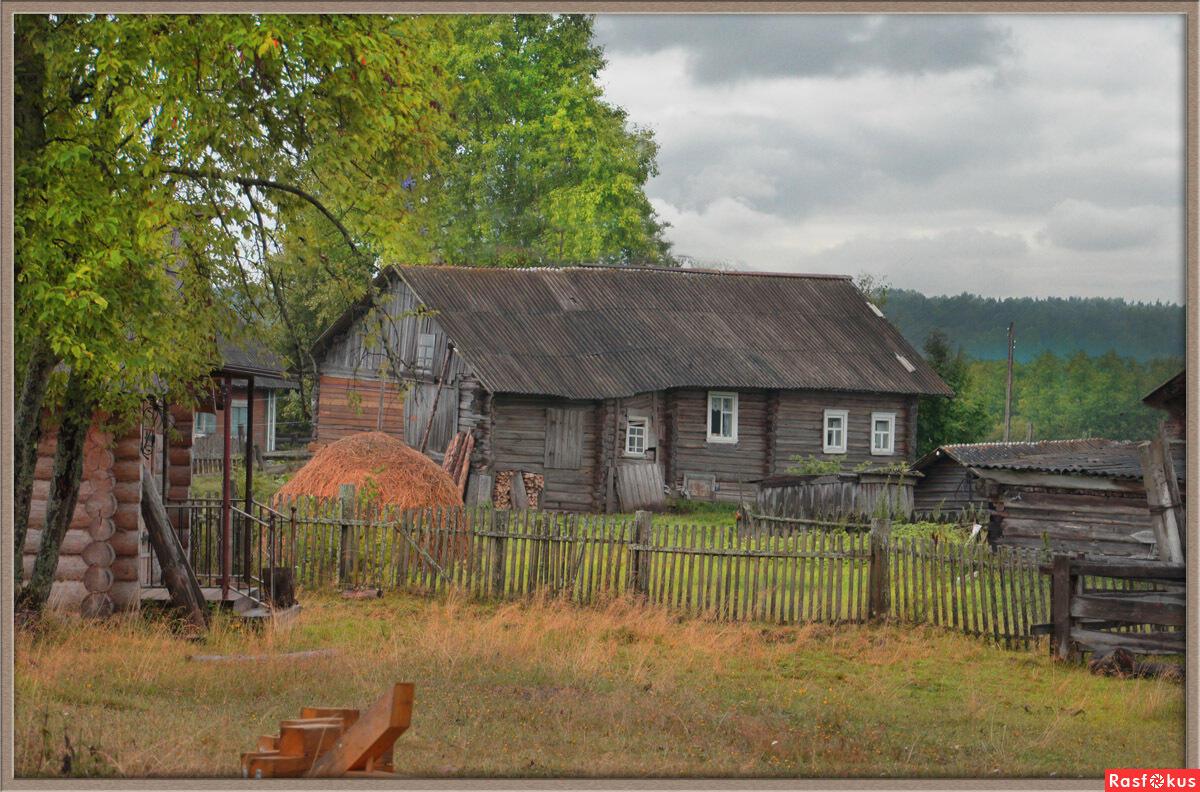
177, 574
879, 598
1008, 386
640, 561
1158, 473
248, 461
226, 488
346, 497
497, 558
1061, 588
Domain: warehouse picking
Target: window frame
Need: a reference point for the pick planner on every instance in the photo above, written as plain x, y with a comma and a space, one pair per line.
890, 417
643, 424
825, 446
206, 427
732, 438
420, 364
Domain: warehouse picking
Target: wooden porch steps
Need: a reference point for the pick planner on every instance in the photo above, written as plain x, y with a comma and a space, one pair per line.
332, 742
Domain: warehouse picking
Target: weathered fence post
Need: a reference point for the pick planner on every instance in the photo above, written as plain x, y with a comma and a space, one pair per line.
1062, 585
496, 561
639, 567
879, 600
346, 497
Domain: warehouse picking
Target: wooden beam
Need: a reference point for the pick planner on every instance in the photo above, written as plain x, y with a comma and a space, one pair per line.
177, 573
1140, 643
1127, 606
1167, 530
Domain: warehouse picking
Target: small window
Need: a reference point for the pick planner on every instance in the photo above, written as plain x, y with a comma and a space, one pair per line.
238, 420
883, 433
635, 437
722, 417
835, 431
204, 424
425, 345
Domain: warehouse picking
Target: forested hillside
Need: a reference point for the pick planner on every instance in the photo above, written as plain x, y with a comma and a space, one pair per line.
1064, 326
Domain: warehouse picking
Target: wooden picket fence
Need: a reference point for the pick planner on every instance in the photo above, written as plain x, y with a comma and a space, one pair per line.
785, 576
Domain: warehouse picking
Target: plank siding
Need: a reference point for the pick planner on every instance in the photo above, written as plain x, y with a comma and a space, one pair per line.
946, 490
347, 406
1097, 524
518, 442
800, 422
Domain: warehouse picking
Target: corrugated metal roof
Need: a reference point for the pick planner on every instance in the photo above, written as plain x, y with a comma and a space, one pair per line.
1086, 457
604, 332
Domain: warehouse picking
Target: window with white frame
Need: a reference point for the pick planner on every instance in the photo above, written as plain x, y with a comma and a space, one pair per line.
883, 433
635, 437
425, 345
835, 431
722, 417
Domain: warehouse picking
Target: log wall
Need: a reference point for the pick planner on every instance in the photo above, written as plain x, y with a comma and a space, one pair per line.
800, 423
735, 465
98, 562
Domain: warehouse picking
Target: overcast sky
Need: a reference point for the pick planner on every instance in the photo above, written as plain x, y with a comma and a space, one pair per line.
1002, 155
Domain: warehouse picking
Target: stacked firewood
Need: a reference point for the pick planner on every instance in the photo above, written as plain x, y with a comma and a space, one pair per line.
518, 490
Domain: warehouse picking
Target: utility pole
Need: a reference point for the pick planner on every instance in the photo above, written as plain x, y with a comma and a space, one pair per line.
1008, 385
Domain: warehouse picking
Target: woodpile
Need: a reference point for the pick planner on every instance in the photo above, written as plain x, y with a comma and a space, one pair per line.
518, 490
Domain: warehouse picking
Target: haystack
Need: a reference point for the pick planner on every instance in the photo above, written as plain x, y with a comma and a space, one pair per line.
376, 464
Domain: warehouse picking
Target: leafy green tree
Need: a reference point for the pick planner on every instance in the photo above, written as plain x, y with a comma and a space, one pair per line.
156, 156
535, 169
956, 420
541, 169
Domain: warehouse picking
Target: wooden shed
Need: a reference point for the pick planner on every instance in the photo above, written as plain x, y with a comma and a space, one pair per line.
618, 386
1071, 496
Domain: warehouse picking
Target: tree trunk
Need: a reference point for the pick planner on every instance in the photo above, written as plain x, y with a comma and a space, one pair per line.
76, 418
27, 433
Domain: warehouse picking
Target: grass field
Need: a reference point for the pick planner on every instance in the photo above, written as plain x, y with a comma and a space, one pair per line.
547, 689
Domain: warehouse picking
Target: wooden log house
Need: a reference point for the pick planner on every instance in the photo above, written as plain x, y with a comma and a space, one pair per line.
620, 386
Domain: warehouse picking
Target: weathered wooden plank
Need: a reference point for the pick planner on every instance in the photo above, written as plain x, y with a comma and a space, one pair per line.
1138, 607
1141, 643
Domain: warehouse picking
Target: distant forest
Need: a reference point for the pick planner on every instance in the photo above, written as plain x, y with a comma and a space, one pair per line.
1064, 326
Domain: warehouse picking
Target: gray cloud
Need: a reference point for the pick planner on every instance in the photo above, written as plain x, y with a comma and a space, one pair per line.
1028, 155
725, 48
1079, 225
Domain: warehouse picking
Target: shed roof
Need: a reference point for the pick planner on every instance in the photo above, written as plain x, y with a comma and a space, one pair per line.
1172, 392
605, 332
247, 356
1083, 457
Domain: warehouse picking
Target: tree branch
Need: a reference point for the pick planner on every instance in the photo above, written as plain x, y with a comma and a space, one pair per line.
269, 184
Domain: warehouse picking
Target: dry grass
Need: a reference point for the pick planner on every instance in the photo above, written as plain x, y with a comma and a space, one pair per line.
546, 689
383, 469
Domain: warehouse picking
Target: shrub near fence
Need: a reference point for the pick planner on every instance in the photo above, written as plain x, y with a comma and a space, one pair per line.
785, 577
